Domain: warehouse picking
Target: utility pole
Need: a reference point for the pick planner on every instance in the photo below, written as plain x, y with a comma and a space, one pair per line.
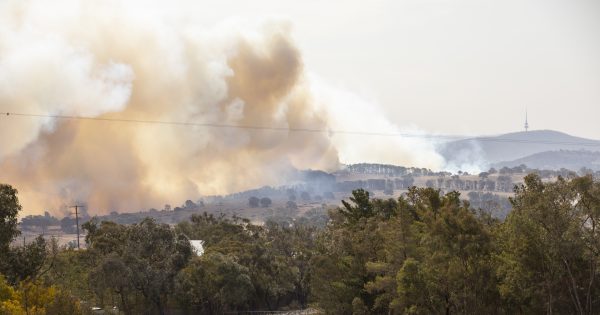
77, 221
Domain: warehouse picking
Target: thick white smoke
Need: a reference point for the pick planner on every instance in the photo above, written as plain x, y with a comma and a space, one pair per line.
367, 135
104, 59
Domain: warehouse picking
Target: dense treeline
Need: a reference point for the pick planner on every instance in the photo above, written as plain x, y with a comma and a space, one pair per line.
424, 253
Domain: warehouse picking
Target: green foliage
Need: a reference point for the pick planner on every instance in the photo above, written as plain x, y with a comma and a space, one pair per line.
274, 257
9, 209
412, 289
17, 263
265, 202
214, 284
70, 272
550, 247
25, 262
428, 253
33, 297
21, 291
423, 253
362, 207
137, 262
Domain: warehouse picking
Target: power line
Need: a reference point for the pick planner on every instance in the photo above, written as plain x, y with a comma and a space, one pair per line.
214, 125
298, 129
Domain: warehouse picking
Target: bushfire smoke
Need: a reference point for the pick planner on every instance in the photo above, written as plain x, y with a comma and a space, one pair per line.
103, 59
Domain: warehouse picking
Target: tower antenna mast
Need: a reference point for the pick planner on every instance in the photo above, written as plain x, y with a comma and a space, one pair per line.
526, 123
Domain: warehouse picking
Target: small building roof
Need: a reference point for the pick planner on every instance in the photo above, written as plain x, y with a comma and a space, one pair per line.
197, 247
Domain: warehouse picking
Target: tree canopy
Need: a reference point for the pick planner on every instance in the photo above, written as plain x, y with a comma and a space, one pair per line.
426, 252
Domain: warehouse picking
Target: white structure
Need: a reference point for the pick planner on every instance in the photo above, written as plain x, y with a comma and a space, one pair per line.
197, 247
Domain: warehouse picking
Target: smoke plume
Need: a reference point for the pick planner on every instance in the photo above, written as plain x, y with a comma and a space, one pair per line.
102, 59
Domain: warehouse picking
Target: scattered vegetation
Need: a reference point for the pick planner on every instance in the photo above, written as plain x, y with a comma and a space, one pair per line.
426, 252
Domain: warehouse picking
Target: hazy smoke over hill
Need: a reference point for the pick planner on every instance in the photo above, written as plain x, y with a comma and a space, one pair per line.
103, 59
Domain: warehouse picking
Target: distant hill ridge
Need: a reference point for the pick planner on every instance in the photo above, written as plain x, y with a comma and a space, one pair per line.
512, 146
555, 160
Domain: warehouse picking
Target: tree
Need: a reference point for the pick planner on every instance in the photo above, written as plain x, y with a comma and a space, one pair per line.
253, 202
420, 254
408, 181
70, 272
214, 284
275, 257
142, 258
550, 247
412, 289
19, 263
426, 252
190, 205
265, 202
36, 298
25, 262
67, 225
9, 209
154, 254
362, 207
42, 221
456, 249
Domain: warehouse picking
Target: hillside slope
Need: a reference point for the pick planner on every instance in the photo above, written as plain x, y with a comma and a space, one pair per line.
512, 146
554, 160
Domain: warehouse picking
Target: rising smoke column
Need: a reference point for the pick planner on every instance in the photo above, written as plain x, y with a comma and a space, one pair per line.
102, 59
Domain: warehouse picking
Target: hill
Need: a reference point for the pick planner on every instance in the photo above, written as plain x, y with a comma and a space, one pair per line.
554, 160
485, 151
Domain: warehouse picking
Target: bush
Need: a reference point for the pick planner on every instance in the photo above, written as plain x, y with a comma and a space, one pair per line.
253, 202
265, 202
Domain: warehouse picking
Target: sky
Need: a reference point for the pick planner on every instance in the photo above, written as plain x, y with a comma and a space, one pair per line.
448, 66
